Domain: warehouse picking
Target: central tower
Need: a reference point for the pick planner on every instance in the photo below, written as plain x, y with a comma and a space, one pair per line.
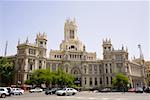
70, 30
71, 41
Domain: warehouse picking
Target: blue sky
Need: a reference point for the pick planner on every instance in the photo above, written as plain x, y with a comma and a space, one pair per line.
125, 22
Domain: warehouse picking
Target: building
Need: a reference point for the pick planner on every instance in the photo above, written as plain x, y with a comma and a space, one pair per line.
73, 58
147, 63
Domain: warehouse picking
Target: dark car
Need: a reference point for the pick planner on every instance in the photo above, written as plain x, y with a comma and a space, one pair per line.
147, 90
115, 90
105, 90
52, 91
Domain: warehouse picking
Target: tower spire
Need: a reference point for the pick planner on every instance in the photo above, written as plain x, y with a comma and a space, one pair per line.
18, 41
141, 54
27, 41
6, 48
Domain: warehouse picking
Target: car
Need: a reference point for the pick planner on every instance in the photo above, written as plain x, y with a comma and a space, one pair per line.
139, 90
37, 89
17, 91
66, 91
52, 91
10, 91
105, 90
131, 90
147, 90
115, 90
3, 92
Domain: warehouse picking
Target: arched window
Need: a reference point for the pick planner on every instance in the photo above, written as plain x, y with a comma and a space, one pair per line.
75, 72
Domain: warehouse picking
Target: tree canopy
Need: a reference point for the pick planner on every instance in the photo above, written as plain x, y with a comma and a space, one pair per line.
120, 81
45, 76
6, 71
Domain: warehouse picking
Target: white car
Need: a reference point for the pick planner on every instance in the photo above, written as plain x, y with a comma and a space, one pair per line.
3, 92
35, 90
17, 91
66, 91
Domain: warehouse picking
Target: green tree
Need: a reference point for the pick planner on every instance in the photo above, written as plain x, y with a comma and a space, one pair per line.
62, 79
40, 76
148, 80
6, 71
120, 81
44, 76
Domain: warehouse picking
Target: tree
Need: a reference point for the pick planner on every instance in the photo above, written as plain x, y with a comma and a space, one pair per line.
148, 80
40, 76
6, 71
120, 81
44, 76
62, 79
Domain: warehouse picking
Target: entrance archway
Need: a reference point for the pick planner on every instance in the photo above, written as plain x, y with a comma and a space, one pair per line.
77, 73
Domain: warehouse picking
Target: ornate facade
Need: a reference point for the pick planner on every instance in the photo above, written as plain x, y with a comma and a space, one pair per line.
74, 59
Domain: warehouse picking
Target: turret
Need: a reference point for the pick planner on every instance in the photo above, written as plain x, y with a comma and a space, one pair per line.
107, 48
41, 40
70, 30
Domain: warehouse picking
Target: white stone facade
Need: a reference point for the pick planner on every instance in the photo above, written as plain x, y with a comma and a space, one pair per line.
74, 59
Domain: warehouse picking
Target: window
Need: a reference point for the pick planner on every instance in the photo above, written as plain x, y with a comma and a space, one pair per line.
85, 69
2, 90
99, 68
32, 51
75, 72
95, 68
72, 47
95, 81
66, 69
100, 80
111, 80
90, 81
41, 42
106, 70
30, 66
119, 66
85, 80
90, 69
72, 34
107, 81
110, 70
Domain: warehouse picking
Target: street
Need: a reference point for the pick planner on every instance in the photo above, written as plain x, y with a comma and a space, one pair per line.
82, 96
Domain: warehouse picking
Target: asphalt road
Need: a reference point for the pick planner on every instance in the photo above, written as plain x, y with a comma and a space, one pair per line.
82, 96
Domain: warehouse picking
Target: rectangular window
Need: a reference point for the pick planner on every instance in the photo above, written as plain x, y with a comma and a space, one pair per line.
95, 81
110, 70
85, 80
30, 66
90, 81
111, 80
107, 81
100, 80
90, 69
106, 70
72, 34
